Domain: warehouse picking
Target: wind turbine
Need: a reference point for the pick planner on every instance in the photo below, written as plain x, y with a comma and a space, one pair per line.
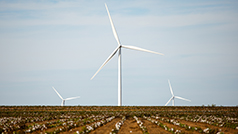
172, 98
63, 100
118, 49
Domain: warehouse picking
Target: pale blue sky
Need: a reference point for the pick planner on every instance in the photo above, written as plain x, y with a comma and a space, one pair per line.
63, 43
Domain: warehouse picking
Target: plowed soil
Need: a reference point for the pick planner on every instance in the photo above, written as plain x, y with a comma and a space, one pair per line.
205, 125
79, 129
169, 125
153, 128
106, 129
13, 118
130, 127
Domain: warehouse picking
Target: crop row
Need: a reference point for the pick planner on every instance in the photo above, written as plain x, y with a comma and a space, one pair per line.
60, 119
65, 124
118, 125
10, 125
187, 127
163, 125
141, 125
12, 111
222, 121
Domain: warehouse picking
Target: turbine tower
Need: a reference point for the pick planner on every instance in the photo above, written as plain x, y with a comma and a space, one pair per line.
172, 98
63, 100
118, 49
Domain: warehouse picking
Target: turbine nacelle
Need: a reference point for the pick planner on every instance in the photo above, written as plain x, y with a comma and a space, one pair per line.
119, 55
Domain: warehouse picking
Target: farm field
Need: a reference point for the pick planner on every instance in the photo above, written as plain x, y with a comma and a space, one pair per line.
118, 119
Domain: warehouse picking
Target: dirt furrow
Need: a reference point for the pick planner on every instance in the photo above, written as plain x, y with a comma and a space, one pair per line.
153, 128
205, 125
106, 129
81, 128
169, 125
74, 130
41, 122
130, 127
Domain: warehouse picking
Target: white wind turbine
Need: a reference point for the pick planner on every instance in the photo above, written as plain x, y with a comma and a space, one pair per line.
63, 100
119, 57
172, 98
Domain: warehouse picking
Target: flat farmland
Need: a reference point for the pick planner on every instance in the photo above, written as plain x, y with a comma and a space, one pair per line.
118, 119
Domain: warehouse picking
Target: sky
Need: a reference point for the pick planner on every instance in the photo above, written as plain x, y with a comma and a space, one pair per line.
59, 43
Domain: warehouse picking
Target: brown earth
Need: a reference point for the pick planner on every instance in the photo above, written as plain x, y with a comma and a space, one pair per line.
130, 124
73, 131
107, 128
130, 127
153, 128
41, 122
205, 125
169, 125
79, 129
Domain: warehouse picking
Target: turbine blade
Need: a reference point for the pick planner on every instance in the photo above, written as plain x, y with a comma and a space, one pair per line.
72, 98
168, 101
113, 28
170, 88
58, 93
141, 49
114, 52
182, 98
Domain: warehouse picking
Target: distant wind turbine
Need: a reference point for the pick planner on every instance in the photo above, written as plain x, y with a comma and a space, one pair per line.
172, 98
63, 100
119, 57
